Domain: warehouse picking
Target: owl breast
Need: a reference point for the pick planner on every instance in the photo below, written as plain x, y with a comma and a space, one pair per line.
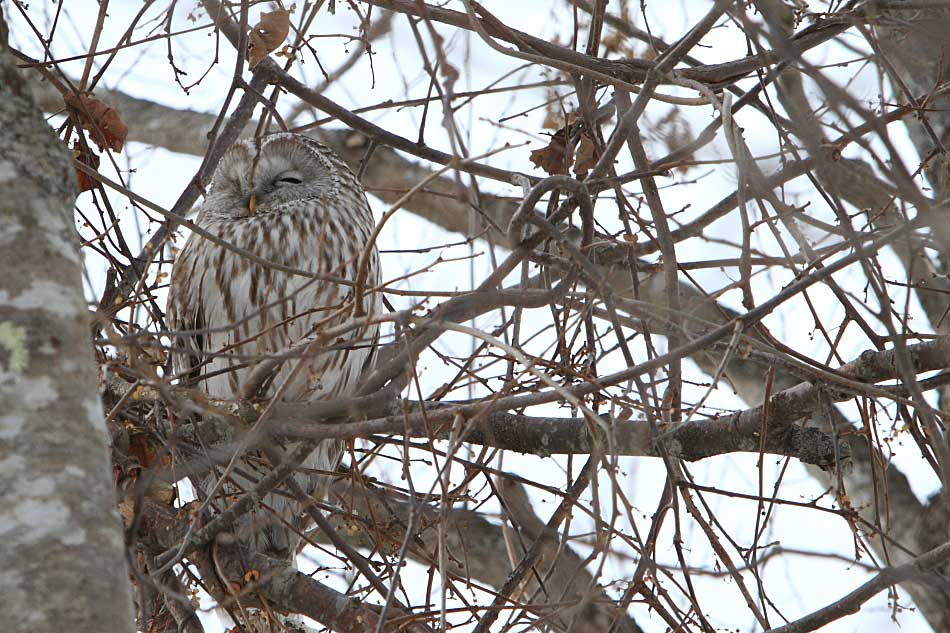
252, 313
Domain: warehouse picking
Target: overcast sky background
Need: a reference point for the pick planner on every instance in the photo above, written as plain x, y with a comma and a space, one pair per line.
797, 584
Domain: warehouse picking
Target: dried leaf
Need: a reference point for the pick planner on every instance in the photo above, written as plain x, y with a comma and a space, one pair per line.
105, 127
90, 159
585, 159
268, 35
550, 159
553, 159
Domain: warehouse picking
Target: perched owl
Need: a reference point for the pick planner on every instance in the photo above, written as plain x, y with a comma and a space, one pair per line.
291, 201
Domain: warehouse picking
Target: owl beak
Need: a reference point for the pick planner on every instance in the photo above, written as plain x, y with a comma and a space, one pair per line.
252, 204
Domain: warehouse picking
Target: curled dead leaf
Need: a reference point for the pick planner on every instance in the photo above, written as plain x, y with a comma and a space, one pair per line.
585, 158
553, 159
556, 157
267, 35
88, 158
105, 127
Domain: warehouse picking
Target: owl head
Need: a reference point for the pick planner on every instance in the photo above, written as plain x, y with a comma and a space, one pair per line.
263, 176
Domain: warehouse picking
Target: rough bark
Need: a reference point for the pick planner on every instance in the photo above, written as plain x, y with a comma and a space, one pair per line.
62, 557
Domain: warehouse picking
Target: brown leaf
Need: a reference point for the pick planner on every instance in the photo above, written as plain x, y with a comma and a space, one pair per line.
267, 35
88, 158
553, 158
105, 127
550, 159
585, 159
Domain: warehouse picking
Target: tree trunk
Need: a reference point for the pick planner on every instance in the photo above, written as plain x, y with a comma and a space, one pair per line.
62, 556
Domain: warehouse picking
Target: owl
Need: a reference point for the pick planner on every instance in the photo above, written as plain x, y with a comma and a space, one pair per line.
291, 201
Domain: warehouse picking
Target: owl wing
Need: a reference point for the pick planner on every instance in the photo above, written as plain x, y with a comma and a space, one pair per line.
185, 315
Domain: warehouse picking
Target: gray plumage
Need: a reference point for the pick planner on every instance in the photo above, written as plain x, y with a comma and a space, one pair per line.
292, 201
